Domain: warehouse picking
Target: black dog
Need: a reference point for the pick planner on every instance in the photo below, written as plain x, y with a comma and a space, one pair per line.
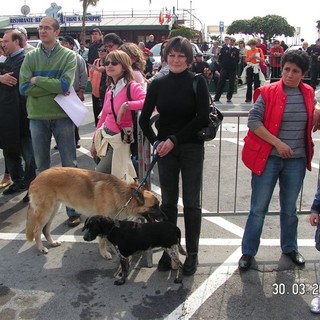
129, 237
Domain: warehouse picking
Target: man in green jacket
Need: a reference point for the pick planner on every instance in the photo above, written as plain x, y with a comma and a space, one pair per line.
47, 71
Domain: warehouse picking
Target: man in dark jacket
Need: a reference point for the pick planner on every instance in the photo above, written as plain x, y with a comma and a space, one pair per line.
314, 53
228, 60
15, 138
96, 42
199, 65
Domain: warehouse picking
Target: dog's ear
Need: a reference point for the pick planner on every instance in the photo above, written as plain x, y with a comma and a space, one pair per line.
138, 195
85, 224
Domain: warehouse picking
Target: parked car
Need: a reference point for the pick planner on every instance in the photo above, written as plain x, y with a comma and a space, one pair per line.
36, 43
294, 47
156, 59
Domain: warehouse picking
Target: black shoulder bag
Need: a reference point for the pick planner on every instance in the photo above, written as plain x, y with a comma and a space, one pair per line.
215, 117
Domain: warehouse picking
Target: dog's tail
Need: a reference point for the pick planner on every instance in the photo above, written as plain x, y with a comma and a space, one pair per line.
181, 250
31, 222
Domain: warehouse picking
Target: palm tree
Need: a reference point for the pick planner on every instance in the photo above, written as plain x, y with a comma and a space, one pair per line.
85, 5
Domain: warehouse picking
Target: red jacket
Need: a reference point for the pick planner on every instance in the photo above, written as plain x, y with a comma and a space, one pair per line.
256, 151
275, 60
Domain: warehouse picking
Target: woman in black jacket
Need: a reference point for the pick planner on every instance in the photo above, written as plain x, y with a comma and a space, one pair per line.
182, 113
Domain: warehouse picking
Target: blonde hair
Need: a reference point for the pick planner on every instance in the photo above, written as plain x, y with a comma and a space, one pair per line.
252, 42
133, 51
125, 61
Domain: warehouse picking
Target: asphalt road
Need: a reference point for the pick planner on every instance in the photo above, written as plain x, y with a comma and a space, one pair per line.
73, 282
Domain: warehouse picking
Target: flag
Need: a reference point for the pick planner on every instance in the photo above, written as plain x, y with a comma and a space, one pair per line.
168, 16
161, 18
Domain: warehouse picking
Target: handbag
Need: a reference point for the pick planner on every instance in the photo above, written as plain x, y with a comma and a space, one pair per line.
127, 134
215, 118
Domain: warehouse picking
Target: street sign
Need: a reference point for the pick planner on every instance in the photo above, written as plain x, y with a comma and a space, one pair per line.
221, 26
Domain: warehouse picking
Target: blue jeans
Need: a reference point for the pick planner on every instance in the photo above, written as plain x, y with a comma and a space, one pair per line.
290, 173
63, 132
315, 207
186, 159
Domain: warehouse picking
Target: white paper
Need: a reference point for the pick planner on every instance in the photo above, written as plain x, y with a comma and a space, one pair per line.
72, 106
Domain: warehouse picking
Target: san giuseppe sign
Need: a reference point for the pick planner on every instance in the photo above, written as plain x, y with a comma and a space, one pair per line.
67, 19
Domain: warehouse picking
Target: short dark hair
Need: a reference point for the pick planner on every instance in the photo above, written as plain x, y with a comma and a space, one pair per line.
16, 35
298, 57
112, 37
96, 30
179, 44
68, 38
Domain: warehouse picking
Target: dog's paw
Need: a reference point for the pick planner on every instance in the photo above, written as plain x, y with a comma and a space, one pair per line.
55, 244
106, 255
177, 280
119, 282
44, 250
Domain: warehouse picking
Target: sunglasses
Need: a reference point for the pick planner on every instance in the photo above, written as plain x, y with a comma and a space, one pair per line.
114, 63
102, 50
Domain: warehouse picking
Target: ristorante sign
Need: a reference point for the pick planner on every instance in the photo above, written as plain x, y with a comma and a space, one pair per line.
63, 19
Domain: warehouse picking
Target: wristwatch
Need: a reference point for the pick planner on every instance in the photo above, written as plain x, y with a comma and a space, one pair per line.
127, 105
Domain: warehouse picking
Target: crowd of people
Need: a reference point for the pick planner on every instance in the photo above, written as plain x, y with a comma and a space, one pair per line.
253, 71
120, 73
278, 146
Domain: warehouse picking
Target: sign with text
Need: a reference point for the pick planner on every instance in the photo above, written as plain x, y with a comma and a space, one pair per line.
67, 19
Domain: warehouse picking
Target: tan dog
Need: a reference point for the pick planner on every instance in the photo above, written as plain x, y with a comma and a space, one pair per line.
88, 192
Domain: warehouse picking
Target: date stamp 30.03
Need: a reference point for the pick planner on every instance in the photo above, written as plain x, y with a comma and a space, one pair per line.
312, 289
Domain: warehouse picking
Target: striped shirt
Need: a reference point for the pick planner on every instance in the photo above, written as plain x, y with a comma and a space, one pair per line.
293, 125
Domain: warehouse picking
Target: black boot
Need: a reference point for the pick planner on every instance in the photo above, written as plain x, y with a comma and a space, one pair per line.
164, 263
190, 265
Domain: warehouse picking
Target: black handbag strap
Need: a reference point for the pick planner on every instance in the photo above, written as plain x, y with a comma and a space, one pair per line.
112, 105
112, 108
195, 85
133, 113
212, 106
129, 92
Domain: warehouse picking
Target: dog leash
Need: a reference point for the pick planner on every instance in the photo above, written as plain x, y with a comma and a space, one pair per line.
155, 157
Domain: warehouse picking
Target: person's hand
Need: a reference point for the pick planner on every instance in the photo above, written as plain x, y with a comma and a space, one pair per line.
164, 147
93, 150
121, 112
33, 80
8, 79
284, 150
316, 120
314, 218
80, 95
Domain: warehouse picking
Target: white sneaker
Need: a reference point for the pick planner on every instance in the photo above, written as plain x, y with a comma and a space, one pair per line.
315, 305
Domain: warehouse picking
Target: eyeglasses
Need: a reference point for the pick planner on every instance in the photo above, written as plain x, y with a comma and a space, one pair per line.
102, 50
109, 46
114, 63
45, 28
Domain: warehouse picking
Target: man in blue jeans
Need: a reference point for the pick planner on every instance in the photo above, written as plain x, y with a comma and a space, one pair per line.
47, 71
